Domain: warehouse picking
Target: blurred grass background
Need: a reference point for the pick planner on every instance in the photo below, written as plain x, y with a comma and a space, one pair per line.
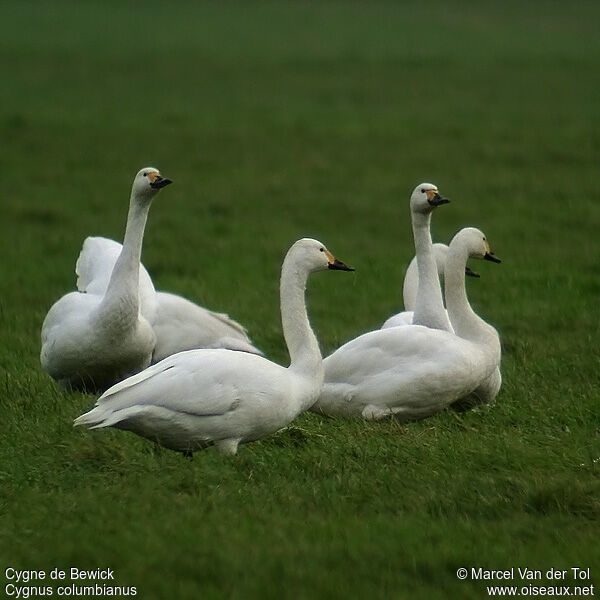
279, 120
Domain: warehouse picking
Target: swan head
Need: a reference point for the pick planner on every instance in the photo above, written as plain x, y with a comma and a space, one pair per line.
148, 182
425, 198
476, 244
312, 256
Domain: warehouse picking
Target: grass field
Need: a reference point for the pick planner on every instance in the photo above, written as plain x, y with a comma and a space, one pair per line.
277, 121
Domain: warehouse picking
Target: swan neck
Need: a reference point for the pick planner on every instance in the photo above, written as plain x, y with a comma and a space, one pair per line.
429, 305
122, 293
466, 323
305, 355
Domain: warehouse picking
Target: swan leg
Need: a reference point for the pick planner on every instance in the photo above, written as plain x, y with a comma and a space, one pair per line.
188, 454
228, 446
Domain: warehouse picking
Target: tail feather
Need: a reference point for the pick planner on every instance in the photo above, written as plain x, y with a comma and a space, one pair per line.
91, 419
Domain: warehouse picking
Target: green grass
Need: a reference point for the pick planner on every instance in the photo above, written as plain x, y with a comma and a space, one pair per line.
277, 121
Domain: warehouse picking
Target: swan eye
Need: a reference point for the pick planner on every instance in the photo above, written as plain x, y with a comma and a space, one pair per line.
145, 174
321, 250
422, 190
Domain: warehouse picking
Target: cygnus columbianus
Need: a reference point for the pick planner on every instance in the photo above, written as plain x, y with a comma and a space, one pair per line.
414, 371
197, 398
93, 339
466, 323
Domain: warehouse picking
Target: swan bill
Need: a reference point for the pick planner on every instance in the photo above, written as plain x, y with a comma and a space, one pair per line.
338, 265
160, 182
471, 273
491, 257
435, 199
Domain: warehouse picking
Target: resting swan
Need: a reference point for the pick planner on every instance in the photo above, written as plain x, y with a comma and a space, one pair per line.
467, 324
197, 398
95, 337
413, 371
177, 323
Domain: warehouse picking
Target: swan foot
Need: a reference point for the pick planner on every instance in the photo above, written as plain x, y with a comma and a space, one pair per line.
228, 446
375, 413
188, 454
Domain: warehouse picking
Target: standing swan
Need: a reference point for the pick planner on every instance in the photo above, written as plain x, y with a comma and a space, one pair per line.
197, 398
92, 340
414, 371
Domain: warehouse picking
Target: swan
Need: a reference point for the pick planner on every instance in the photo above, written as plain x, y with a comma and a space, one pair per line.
414, 371
178, 323
429, 305
95, 337
465, 322
196, 398
411, 282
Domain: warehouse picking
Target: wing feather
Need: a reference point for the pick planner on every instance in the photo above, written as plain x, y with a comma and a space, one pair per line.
199, 383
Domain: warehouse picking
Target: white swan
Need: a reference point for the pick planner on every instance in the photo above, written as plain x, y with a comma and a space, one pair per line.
411, 283
177, 323
414, 371
466, 323
197, 398
93, 339
429, 305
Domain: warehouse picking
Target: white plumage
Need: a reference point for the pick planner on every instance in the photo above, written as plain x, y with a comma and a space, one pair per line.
178, 324
201, 397
410, 286
413, 371
97, 336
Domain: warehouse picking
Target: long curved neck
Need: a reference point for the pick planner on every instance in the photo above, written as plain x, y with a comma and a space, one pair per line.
120, 305
429, 306
466, 323
305, 355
